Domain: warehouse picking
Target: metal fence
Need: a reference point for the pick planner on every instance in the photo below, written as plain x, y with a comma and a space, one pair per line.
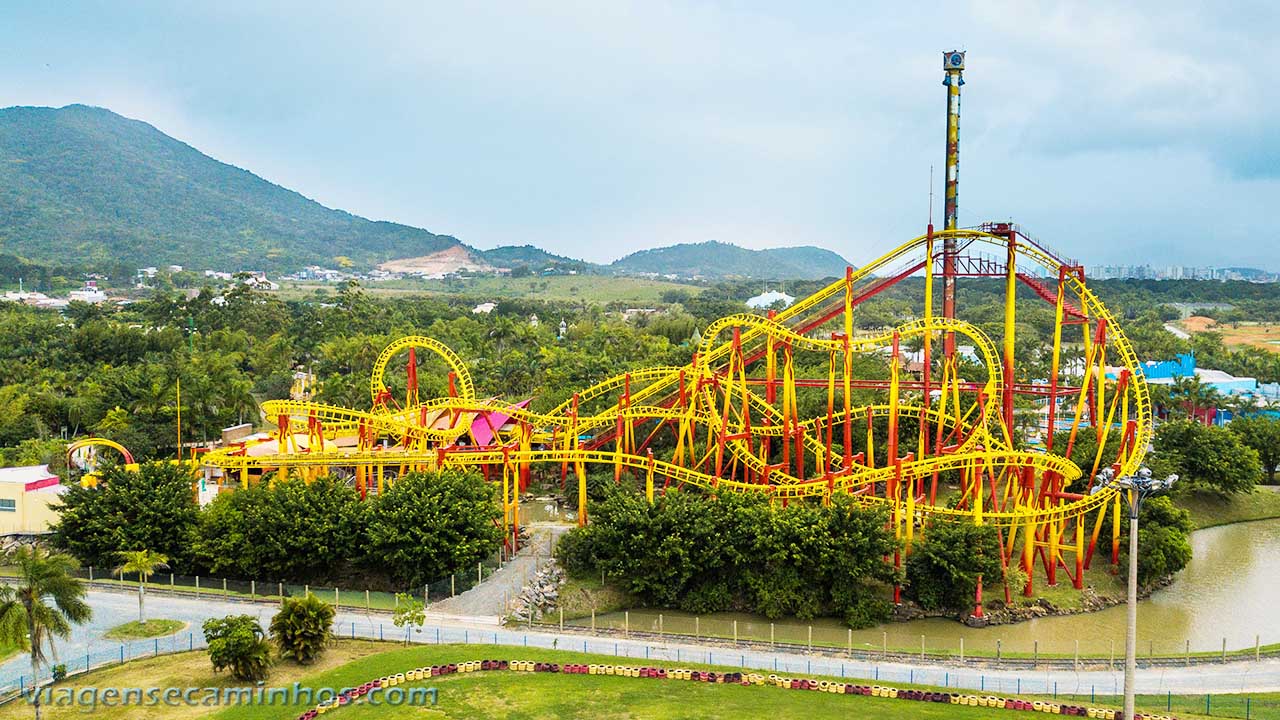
639, 650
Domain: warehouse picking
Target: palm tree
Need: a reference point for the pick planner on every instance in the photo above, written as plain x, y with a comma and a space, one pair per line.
27, 619
144, 563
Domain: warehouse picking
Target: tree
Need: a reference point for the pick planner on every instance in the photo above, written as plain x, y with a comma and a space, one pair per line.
1208, 458
1164, 547
303, 628
144, 563
1262, 433
943, 570
43, 605
151, 508
428, 525
258, 532
409, 612
237, 642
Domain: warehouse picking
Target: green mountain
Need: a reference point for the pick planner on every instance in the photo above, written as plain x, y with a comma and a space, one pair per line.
534, 258
715, 260
84, 185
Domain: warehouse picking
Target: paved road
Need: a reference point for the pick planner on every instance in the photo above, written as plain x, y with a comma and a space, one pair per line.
113, 608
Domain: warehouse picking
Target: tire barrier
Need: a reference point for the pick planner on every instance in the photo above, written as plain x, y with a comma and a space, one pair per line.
354, 695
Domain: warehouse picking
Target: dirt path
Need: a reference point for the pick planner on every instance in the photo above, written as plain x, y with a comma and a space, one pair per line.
489, 598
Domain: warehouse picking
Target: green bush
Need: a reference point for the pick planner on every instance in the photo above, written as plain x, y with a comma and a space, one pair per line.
151, 508
737, 552
303, 628
236, 642
428, 525
943, 569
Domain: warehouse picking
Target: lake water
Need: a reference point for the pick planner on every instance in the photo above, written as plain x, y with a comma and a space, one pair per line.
1228, 591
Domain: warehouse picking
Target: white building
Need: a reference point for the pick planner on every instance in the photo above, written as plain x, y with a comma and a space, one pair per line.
89, 293
766, 300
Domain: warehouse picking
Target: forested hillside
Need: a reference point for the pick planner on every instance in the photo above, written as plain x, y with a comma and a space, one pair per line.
84, 185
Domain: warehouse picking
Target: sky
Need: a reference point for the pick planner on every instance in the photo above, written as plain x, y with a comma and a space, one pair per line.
1119, 133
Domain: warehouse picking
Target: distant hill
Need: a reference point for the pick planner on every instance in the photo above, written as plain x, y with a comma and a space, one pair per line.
82, 184
715, 260
534, 258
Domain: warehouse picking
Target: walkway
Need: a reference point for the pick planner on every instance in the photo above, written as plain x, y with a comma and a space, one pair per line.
112, 608
490, 598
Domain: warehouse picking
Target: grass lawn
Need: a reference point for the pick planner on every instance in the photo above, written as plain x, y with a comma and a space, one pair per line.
590, 289
538, 695
191, 669
137, 631
1209, 509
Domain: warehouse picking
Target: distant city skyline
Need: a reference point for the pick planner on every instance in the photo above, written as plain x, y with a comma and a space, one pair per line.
1122, 134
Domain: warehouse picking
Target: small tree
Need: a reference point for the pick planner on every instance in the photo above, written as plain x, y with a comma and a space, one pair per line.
144, 563
409, 611
943, 571
1262, 433
238, 642
303, 628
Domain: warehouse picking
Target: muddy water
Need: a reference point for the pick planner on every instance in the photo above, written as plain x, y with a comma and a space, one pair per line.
1228, 591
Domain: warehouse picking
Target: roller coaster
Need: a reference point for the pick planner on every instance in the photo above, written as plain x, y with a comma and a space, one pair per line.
767, 405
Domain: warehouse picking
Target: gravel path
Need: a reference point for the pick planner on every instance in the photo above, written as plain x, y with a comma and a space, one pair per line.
490, 598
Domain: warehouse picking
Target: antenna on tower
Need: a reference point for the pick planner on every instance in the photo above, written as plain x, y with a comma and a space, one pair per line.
930, 194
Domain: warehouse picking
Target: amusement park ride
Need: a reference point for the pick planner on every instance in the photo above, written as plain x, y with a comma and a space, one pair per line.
730, 420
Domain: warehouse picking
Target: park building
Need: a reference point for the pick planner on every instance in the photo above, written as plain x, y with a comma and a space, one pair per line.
28, 496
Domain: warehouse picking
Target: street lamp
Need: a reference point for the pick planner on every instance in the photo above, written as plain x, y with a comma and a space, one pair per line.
1138, 488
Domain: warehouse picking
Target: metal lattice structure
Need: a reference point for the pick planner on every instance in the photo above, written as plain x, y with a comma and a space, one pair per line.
770, 405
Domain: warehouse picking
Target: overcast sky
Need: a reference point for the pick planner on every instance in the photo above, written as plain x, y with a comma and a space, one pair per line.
1117, 132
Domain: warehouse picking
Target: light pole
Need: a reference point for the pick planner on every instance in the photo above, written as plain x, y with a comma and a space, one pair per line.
1137, 488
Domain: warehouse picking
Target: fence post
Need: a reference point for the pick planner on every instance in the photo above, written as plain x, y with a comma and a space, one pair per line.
735, 633
426, 596
922, 648
253, 590
90, 573
962, 650
593, 621
626, 622
998, 643
280, 591
170, 582
884, 646
848, 644
453, 581
337, 601
562, 619
1188, 655
366, 600
1076, 663
1257, 647
1035, 653
810, 638
479, 573
697, 631
197, 584
306, 590
1224, 650
660, 626
1111, 664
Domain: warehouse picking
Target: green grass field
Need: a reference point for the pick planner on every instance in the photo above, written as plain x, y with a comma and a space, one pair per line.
137, 631
591, 289
542, 695
1208, 509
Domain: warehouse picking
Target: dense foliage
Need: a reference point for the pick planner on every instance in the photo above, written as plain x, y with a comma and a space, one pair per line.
704, 554
152, 509
86, 185
943, 570
303, 628
1205, 457
282, 530
237, 642
424, 527
430, 524
1262, 433
1164, 546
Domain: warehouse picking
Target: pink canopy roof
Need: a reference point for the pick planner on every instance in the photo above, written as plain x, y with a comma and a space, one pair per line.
483, 427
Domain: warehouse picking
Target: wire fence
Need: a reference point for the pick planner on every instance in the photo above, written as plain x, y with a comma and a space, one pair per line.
956, 679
